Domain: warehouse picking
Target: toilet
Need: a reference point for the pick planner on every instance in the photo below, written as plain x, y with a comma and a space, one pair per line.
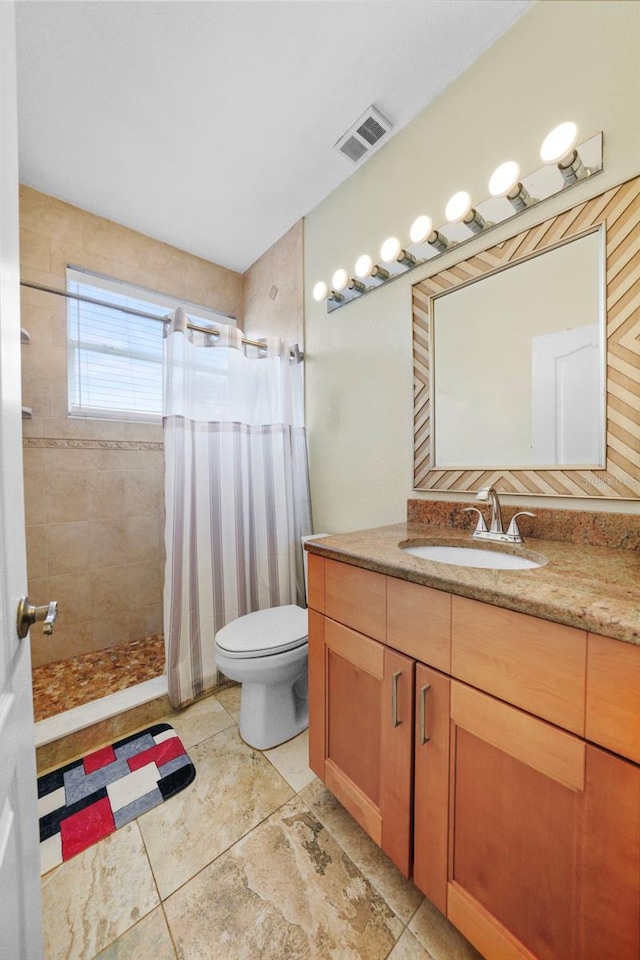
267, 652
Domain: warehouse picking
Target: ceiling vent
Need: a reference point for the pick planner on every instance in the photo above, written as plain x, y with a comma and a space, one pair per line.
366, 135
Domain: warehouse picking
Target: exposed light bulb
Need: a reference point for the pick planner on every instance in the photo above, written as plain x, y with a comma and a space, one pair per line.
559, 143
458, 207
320, 291
390, 249
364, 266
505, 182
339, 280
504, 179
422, 231
421, 228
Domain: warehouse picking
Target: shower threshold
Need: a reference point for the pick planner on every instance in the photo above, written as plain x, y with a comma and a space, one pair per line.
96, 697
87, 714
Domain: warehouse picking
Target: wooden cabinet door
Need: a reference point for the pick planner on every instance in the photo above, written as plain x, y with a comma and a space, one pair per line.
544, 838
610, 914
361, 710
517, 795
431, 787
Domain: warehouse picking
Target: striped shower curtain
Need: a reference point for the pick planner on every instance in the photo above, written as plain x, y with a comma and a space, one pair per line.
236, 492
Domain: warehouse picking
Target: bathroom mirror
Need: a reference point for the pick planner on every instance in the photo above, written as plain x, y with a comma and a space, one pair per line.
526, 360
518, 363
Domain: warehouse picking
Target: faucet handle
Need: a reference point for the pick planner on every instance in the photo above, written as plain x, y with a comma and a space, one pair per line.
481, 526
514, 531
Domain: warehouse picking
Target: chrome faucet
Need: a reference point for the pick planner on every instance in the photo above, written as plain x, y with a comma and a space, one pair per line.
489, 495
496, 531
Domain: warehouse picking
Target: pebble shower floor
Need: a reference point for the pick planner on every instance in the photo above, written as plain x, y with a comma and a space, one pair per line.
70, 683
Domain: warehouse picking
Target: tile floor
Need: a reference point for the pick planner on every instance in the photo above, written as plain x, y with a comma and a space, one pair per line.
255, 860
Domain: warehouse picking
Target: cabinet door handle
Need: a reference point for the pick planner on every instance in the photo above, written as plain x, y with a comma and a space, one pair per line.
394, 699
423, 714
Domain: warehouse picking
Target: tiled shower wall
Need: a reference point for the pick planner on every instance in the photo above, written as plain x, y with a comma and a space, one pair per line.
93, 488
273, 290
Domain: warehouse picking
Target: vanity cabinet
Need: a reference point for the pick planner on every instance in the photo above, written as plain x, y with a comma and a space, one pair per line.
504, 758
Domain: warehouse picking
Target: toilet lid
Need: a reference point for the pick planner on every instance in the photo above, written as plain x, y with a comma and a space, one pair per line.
264, 632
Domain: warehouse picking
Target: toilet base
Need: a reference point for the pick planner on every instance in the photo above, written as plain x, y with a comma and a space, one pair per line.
270, 714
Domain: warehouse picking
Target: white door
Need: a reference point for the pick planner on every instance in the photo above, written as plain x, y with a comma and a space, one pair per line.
20, 912
567, 401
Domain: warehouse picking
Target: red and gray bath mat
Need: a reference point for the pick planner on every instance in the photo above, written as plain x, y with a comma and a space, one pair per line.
89, 798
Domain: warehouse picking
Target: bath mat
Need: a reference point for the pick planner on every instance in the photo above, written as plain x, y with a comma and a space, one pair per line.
88, 799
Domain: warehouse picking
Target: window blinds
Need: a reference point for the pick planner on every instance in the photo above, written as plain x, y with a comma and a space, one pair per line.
114, 358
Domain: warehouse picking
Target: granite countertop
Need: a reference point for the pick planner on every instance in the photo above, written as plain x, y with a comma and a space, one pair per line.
592, 588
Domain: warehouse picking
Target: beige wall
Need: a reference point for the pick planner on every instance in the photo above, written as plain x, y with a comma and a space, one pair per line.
94, 489
273, 290
562, 60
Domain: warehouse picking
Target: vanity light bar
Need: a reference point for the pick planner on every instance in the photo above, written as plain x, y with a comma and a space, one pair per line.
566, 163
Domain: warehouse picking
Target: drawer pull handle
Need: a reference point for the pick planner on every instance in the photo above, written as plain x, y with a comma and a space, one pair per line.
394, 699
423, 714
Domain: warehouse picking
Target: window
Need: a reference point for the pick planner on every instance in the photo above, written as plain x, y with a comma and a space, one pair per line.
115, 358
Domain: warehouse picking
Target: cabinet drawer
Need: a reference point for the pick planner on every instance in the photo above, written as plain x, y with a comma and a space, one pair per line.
419, 622
613, 695
356, 597
531, 663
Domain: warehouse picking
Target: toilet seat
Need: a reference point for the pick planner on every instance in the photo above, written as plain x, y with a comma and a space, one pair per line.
264, 633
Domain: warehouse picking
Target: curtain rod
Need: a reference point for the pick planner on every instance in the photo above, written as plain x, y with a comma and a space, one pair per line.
295, 351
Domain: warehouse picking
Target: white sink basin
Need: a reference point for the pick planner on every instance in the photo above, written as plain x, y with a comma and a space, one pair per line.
472, 557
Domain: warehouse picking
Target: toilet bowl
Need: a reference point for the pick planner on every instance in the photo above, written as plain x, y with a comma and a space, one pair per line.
267, 652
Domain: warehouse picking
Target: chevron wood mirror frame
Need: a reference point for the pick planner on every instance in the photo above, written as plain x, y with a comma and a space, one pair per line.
618, 210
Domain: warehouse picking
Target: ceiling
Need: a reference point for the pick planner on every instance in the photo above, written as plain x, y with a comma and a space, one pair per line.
211, 125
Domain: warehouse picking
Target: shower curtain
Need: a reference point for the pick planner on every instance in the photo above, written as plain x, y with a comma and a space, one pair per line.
236, 491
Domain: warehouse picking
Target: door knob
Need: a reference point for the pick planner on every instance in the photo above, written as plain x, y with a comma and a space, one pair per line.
29, 613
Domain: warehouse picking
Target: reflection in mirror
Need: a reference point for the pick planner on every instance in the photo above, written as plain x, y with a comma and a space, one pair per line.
519, 364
